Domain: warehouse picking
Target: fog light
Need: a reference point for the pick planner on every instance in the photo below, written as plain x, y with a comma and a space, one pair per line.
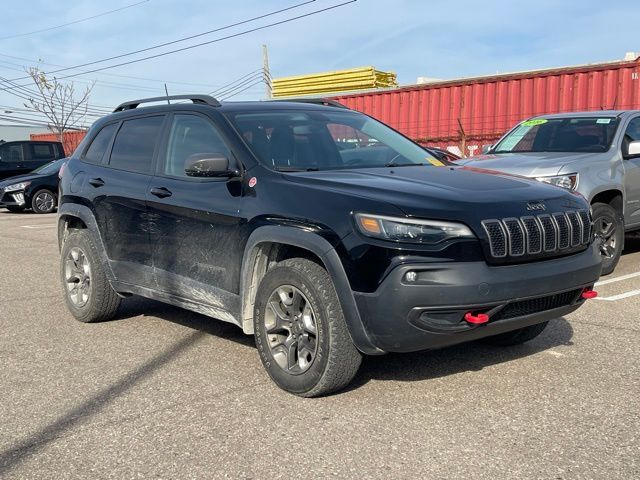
19, 198
411, 276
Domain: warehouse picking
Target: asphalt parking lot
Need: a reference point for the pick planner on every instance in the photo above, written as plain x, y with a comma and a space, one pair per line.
164, 393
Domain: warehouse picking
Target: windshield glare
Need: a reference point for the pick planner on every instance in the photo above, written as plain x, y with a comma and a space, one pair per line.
580, 134
310, 140
49, 168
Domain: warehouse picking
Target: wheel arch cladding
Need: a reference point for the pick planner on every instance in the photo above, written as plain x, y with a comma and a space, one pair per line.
269, 244
611, 197
72, 216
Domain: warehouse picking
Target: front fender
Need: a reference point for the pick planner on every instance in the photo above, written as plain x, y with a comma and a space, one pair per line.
311, 241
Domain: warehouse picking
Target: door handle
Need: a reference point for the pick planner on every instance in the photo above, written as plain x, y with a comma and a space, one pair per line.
96, 182
160, 192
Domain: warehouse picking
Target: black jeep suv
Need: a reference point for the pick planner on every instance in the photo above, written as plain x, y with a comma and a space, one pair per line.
321, 231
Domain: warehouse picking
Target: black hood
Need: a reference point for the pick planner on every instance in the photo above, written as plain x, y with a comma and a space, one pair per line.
18, 178
448, 193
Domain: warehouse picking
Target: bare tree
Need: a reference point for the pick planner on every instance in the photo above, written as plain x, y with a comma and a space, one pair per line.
59, 102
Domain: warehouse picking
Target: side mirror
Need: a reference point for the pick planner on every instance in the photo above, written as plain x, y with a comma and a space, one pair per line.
209, 165
486, 149
633, 150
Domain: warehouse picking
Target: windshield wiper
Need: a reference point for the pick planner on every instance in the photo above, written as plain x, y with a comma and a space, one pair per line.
287, 168
393, 164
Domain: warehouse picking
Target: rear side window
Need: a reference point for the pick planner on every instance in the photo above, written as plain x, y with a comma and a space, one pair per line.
12, 153
99, 145
135, 143
42, 151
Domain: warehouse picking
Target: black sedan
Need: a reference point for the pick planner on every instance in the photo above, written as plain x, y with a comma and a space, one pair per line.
37, 190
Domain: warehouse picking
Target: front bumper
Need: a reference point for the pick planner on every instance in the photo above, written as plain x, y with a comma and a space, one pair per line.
15, 198
403, 316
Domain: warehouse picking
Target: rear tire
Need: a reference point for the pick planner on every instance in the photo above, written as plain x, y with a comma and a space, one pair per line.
516, 337
87, 292
608, 224
44, 201
300, 330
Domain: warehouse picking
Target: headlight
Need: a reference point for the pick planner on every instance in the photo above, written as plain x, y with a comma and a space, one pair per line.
568, 181
429, 232
16, 186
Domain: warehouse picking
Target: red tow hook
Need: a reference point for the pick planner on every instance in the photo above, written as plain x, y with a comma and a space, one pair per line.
587, 294
476, 319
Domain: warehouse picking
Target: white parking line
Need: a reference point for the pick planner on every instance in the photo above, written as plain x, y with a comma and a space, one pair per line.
617, 279
34, 227
613, 298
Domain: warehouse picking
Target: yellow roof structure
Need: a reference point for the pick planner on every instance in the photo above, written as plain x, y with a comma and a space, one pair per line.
362, 78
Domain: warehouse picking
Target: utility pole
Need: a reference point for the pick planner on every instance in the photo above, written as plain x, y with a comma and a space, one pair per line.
265, 72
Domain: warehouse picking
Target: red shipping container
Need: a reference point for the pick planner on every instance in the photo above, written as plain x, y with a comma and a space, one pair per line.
70, 139
484, 108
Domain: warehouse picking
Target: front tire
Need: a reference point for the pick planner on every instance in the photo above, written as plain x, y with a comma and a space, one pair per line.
87, 292
609, 226
516, 337
44, 201
300, 330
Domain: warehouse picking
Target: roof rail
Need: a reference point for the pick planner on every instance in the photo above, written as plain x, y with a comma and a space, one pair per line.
316, 101
200, 99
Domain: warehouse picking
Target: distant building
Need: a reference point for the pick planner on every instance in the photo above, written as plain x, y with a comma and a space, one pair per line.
10, 133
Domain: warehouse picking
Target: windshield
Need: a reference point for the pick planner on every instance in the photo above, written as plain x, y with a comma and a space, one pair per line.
297, 140
49, 168
579, 134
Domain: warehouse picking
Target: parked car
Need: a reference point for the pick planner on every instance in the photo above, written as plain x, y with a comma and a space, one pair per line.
21, 157
595, 153
250, 213
37, 190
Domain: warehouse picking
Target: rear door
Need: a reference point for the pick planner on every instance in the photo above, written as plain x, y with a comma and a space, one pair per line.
118, 188
39, 153
12, 159
196, 240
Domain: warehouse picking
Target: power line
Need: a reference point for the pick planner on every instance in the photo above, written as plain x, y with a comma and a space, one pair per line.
254, 72
101, 83
183, 39
291, 19
144, 79
243, 90
257, 76
91, 111
73, 22
36, 123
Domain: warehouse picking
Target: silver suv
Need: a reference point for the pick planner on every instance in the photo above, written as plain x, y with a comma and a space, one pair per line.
594, 153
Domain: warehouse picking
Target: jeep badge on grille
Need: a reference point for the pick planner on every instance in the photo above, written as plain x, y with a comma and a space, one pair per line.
536, 206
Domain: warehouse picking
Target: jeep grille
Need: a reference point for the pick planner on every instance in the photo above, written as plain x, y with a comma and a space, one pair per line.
547, 234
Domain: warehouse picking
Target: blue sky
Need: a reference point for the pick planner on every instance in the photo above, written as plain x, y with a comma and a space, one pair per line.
442, 39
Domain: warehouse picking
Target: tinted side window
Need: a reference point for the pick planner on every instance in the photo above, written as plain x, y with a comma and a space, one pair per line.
190, 136
42, 151
633, 130
11, 153
99, 145
135, 143
631, 134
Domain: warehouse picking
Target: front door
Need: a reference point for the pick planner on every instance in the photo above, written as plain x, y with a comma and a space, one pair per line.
196, 238
631, 174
